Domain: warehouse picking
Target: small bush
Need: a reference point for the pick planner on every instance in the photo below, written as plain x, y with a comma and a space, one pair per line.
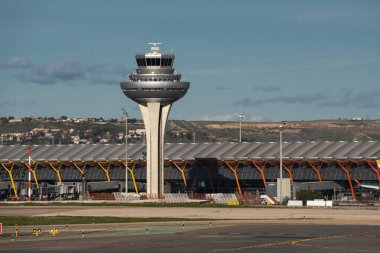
309, 195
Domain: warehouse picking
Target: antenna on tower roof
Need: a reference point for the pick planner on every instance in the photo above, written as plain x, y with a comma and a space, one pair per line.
154, 46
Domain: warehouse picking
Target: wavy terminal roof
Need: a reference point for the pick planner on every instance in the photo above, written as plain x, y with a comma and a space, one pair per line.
192, 151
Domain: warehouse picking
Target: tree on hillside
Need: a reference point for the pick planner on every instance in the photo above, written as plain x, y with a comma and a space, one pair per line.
4, 120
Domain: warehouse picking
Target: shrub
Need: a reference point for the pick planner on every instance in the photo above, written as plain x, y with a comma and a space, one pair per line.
309, 195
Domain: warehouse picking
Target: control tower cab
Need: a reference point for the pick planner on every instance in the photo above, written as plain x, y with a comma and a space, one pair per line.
155, 86
155, 79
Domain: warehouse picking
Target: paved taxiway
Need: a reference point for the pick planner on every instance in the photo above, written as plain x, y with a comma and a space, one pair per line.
227, 237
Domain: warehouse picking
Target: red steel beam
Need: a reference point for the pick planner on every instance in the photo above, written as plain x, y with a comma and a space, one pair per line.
375, 170
261, 170
234, 170
317, 170
289, 170
347, 170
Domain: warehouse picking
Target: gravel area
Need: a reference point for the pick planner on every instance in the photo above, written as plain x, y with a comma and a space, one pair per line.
352, 215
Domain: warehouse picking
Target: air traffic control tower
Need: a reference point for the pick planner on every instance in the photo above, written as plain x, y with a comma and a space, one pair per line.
155, 86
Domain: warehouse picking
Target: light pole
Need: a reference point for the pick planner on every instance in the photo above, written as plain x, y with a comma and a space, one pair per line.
280, 183
241, 117
126, 149
84, 185
29, 173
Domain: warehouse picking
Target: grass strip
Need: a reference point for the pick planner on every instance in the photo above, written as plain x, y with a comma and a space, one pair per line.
69, 203
144, 204
61, 220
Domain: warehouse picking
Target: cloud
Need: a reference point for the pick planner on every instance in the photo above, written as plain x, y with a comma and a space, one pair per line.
222, 88
16, 62
233, 117
106, 79
57, 71
292, 99
266, 88
345, 98
367, 99
110, 75
73, 70
256, 88
257, 118
121, 70
295, 63
7, 103
219, 117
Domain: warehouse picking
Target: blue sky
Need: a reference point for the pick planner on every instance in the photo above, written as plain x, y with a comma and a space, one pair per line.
272, 60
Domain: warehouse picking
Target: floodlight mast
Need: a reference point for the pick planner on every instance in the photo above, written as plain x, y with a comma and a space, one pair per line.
29, 173
241, 117
282, 125
126, 149
155, 86
280, 186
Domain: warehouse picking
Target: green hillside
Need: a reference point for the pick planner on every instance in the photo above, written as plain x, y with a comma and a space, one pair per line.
112, 131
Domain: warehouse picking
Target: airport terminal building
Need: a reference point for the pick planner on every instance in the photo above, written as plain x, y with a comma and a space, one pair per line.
191, 167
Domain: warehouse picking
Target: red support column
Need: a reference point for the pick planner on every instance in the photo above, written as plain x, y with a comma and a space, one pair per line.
261, 170
317, 170
289, 170
234, 170
377, 171
347, 170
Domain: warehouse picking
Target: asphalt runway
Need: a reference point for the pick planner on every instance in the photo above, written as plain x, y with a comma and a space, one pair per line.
223, 238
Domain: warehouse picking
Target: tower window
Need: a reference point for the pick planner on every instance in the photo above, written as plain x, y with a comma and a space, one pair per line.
166, 61
153, 61
140, 62
152, 89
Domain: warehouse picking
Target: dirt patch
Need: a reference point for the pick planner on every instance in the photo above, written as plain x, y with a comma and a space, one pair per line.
365, 216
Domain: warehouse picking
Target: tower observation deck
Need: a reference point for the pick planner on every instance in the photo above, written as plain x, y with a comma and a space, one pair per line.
155, 86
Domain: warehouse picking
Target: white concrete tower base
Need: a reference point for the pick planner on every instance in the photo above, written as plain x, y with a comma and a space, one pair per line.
155, 116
